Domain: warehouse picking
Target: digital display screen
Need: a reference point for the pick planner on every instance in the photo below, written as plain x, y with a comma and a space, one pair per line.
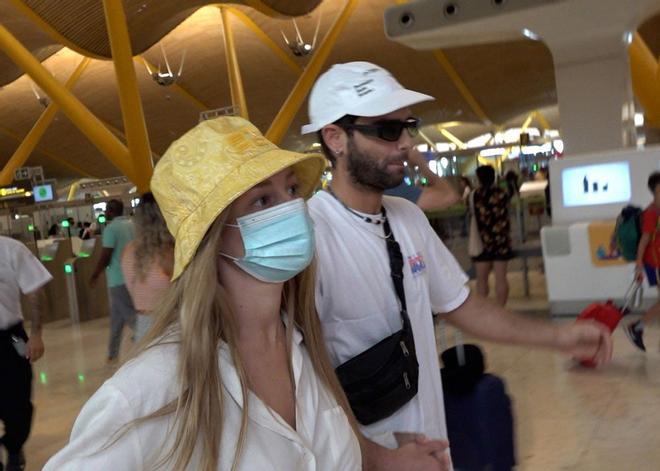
590, 185
43, 193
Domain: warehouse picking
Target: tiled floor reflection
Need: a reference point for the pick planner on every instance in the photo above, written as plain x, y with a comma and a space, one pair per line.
567, 418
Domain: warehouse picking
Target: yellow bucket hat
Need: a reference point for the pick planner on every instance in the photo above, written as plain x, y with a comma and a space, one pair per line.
207, 168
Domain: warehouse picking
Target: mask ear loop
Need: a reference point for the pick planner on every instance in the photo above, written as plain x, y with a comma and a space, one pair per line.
230, 257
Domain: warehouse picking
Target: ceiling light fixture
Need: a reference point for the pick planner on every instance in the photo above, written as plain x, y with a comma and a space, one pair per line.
44, 100
298, 46
166, 77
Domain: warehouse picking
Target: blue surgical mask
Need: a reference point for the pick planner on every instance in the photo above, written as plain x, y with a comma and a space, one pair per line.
278, 241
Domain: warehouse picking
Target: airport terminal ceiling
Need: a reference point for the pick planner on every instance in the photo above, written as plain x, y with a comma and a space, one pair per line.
506, 80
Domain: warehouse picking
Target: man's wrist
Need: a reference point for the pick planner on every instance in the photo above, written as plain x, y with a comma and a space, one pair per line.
375, 456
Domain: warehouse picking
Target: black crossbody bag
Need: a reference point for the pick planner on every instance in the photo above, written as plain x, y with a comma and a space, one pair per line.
383, 378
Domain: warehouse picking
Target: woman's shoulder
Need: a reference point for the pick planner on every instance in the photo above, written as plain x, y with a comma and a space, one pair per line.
149, 381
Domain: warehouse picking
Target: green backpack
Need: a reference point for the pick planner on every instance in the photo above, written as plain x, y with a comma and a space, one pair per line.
628, 231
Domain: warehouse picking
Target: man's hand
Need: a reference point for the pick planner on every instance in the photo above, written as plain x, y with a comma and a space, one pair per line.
415, 453
421, 455
35, 347
586, 340
639, 272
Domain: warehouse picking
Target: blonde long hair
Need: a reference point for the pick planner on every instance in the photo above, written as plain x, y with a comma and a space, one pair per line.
197, 312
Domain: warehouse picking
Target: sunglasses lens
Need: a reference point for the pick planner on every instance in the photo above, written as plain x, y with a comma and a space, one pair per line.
412, 127
391, 131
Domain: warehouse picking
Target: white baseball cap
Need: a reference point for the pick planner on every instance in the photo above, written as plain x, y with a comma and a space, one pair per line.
359, 89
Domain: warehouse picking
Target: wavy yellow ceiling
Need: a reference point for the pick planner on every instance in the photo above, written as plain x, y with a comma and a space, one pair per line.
80, 24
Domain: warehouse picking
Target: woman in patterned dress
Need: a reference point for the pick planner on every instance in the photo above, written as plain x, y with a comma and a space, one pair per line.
491, 208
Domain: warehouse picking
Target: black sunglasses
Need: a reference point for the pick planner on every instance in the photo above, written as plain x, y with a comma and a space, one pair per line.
388, 130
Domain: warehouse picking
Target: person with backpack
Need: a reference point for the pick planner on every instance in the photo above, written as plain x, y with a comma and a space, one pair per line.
648, 254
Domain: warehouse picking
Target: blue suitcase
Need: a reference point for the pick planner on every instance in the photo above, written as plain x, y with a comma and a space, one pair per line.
478, 413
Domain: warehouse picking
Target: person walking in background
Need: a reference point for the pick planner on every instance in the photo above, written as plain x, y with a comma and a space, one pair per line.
116, 236
512, 186
648, 260
147, 262
20, 272
491, 210
465, 188
53, 231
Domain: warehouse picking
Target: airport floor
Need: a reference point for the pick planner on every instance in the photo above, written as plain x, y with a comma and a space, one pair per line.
567, 417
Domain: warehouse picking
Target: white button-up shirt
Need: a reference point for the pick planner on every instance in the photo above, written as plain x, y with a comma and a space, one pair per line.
20, 272
322, 440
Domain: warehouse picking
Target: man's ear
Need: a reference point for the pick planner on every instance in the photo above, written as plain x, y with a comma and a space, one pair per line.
335, 138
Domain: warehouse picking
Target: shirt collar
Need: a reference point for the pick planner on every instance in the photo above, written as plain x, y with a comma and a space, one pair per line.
258, 411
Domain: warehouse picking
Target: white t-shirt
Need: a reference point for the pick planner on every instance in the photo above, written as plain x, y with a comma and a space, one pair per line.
323, 439
358, 307
20, 272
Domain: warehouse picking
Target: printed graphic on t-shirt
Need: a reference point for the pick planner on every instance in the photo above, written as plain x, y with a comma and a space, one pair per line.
417, 265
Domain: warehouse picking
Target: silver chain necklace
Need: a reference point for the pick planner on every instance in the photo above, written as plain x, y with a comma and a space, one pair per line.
376, 222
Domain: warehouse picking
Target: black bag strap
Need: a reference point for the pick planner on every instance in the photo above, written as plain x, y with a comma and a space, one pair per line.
396, 269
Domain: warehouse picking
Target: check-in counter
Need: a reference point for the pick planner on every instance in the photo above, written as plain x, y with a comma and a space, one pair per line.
53, 255
92, 301
582, 267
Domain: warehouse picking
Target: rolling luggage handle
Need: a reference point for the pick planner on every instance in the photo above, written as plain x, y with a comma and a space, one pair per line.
463, 364
458, 341
609, 314
633, 296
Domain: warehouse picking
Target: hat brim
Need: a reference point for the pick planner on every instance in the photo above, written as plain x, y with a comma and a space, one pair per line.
377, 107
307, 167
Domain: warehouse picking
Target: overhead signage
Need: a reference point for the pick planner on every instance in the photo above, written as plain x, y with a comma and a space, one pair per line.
14, 192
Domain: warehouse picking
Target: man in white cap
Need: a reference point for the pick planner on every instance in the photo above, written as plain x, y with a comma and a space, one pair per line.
364, 122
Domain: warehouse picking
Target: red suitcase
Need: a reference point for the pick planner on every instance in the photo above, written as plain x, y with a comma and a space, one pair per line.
609, 314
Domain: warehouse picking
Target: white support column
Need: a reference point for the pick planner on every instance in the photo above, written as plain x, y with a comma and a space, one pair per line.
588, 40
596, 103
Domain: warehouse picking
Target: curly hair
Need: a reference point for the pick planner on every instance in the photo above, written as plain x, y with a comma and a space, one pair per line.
152, 237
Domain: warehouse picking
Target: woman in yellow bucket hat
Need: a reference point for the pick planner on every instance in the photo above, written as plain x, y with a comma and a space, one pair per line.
234, 372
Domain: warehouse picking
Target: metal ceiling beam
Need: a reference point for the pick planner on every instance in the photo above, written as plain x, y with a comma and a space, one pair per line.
527, 123
282, 121
233, 68
458, 82
428, 141
129, 94
266, 40
55, 158
460, 85
119, 133
27, 146
542, 120
449, 136
178, 88
78, 113
645, 74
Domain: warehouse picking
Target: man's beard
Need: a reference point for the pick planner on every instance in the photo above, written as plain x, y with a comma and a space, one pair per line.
369, 172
